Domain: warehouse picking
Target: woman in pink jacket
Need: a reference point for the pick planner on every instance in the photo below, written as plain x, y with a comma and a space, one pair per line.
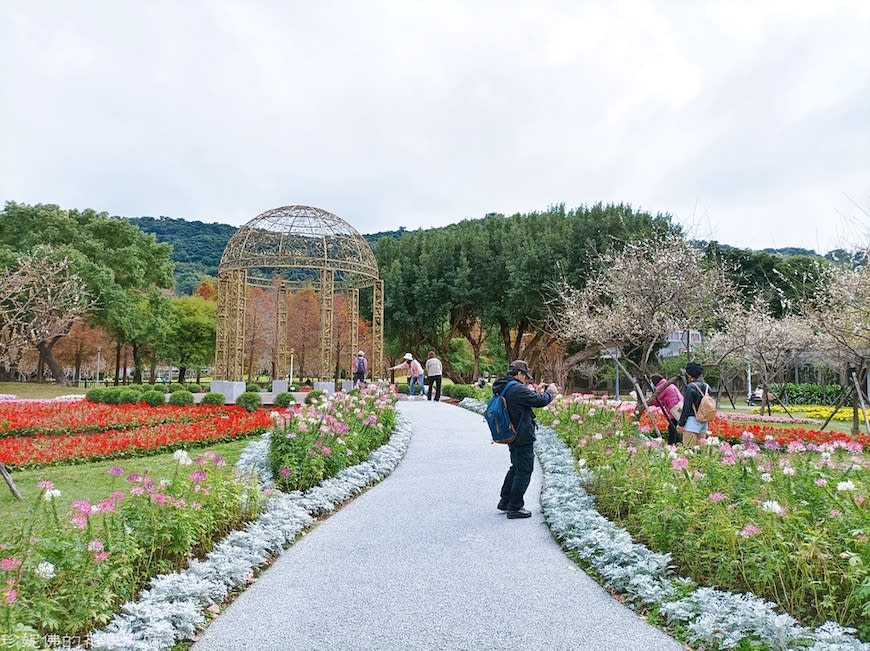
415, 372
671, 401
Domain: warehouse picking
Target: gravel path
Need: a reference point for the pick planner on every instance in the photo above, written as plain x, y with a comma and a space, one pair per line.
425, 561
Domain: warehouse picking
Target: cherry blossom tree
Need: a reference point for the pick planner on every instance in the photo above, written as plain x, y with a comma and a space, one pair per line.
752, 335
640, 295
840, 312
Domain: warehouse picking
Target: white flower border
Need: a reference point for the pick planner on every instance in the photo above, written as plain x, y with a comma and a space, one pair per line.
172, 609
712, 617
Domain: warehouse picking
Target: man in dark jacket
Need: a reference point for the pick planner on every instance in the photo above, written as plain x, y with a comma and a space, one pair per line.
520, 401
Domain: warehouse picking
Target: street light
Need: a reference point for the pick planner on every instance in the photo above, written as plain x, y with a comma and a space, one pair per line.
292, 350
99, 350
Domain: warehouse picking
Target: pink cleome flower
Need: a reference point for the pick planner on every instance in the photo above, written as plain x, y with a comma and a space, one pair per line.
96, 545
749, 530
9, 564
116, 471
718, 497
45, 485
99, 557
680, 463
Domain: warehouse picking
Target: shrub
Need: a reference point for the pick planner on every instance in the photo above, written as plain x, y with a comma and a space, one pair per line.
182, 397
193, 387
250, 400
284, 399
176, 387
97, 394
316, 394
460, 391
213, 398
252, 388
154, 398
112, 396
128, 396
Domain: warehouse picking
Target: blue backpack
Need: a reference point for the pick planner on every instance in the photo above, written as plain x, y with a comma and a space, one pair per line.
498, 418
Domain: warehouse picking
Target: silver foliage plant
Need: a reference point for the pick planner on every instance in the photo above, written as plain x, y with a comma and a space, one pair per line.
171, 609
713, 617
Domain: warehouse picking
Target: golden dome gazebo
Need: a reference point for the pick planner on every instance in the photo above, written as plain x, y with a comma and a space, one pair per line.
290, 247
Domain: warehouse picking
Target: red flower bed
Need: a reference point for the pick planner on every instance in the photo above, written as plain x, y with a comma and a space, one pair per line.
732, 431
222, 424
20, 417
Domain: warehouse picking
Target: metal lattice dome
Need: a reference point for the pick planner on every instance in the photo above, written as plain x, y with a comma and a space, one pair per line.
296, 246
301, 240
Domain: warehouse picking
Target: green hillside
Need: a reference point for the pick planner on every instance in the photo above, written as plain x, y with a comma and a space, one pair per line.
197, 247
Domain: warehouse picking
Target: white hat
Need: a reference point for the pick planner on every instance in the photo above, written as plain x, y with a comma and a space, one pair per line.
361, 354
408, 356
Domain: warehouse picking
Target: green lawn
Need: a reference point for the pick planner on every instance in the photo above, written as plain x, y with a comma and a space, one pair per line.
91, 481
45, 390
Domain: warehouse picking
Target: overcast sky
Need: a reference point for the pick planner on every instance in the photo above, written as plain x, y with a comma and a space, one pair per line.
748, 121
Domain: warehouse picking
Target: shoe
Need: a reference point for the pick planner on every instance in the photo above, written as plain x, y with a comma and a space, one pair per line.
502, 505
522, 513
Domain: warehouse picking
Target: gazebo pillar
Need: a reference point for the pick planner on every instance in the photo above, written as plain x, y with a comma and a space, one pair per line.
327, 295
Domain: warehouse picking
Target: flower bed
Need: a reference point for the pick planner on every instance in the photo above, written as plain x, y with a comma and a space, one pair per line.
707, 617
107, 551
327, 435
47, 417
781, 513
216, 424
65, 575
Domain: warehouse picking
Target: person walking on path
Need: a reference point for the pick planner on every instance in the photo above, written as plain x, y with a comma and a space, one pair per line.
433, 375
415, 372
520, 400
688, 426
360, 368
669, 399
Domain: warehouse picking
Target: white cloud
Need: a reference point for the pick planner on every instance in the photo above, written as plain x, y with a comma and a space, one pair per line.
743, 119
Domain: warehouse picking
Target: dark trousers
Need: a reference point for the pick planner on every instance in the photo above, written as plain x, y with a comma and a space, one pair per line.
518, 477
436, 380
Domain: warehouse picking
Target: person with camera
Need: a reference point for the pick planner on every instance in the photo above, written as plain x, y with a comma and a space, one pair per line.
520, 401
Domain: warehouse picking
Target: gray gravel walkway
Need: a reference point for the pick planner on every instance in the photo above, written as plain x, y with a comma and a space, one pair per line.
425, 561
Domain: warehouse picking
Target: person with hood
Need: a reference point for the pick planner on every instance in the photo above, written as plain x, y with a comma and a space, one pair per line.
520, 400
415, 372
688, 426
360, 368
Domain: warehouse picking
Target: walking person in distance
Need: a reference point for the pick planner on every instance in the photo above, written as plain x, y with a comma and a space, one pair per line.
520, 400
360, 368
433, 375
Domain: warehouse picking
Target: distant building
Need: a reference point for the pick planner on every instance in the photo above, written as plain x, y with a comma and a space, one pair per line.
676, 342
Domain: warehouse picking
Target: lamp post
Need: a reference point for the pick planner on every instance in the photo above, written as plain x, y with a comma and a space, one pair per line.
292, 350
99, 350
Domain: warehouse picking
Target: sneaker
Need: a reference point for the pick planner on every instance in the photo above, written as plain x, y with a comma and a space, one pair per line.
521, 513
502, 505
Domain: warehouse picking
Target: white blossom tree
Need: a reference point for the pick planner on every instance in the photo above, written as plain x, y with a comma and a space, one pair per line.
752, 335
840, 312
640, 295
40, 299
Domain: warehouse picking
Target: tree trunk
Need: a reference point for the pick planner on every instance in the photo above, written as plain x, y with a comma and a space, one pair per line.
117, 362
47, 356
182, 371
137, 363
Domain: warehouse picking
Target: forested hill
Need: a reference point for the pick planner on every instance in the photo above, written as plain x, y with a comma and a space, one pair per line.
197, 247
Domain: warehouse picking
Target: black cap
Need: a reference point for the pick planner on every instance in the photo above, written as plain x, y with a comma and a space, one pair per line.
520, 365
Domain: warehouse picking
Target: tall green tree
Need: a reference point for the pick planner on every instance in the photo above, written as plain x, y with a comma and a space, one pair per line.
193, 335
